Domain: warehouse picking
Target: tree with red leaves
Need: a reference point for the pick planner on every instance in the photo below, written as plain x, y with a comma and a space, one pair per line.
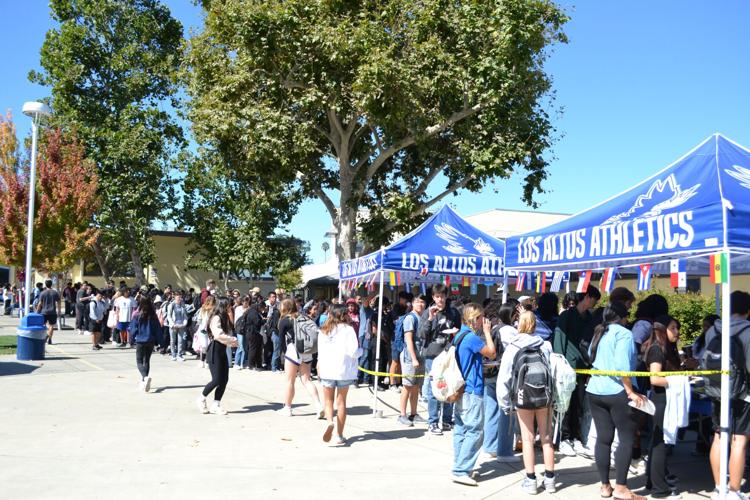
66, 198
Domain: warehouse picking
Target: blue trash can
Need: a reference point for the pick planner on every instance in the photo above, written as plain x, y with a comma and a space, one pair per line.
32, 337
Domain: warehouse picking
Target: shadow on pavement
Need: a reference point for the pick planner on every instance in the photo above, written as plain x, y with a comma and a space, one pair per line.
411, 433
173, 387
13, 368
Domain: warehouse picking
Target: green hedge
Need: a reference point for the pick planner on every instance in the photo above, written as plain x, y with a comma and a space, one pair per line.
688, 308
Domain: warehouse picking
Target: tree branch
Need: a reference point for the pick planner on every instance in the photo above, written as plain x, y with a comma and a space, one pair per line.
330, 206
427, 180
409, 140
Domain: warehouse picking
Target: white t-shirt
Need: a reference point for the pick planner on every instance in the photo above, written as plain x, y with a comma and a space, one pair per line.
125, 307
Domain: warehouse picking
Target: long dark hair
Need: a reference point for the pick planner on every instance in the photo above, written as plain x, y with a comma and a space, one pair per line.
221, 309
338, 315
660, 337
613, 314
146, 311
508, 312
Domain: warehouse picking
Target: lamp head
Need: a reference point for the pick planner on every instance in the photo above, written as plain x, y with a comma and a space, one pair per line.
36, 110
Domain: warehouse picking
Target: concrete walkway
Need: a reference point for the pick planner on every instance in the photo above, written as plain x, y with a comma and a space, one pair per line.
75, 426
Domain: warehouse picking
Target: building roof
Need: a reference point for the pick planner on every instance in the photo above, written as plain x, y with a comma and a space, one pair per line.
502, 223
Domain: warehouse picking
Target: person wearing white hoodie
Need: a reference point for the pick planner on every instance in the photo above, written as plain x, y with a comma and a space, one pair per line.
338, 354
526, 417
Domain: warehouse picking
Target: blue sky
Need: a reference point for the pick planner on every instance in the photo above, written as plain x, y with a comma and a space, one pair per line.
640, 83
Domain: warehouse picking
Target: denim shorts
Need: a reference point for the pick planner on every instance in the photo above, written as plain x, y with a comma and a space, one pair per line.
332, 384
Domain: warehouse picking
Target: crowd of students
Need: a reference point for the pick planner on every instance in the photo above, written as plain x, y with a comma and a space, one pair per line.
493, 341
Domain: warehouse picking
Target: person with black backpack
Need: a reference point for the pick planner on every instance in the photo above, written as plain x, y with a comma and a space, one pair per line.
526, 389
739, 410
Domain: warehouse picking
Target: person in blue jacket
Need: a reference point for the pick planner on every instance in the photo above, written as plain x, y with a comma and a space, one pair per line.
146, 331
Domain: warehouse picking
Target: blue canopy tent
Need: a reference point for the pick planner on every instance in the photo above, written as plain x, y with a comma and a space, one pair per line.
445, 244
695, 207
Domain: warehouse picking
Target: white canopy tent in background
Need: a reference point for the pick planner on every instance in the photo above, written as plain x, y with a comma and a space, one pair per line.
695, 207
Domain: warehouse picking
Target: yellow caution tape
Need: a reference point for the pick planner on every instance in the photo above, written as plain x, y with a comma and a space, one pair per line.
606, 373
385, 374
601, 373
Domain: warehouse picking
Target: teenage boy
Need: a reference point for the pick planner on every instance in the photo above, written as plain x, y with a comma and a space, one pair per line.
436, 328
48, 305
124, 307
412, 363
739, 409
96, 319
571, 339
177, 320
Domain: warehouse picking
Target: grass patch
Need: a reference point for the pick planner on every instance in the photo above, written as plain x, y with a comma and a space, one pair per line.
8, 344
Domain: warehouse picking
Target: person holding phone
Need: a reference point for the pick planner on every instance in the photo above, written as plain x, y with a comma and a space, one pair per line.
613, 349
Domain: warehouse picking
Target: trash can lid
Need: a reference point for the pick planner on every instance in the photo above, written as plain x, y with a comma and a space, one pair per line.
32, 320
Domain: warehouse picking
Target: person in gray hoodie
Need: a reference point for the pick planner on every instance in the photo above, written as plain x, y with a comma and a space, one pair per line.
739, 421
177, 320
526, 417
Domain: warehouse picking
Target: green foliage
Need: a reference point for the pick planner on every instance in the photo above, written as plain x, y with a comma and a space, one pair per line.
111, 66
377, 100
289, 280
234, 229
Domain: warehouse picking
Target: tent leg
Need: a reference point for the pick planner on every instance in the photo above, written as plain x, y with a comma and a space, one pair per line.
505, 287
725, 348
377, 346
717, 299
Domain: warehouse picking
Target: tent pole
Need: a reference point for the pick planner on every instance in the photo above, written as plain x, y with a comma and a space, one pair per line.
726, 347
717, 299
505, 287
377, 346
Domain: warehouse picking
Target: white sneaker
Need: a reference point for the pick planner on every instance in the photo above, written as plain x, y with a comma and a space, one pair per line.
465, 480
286, 411
147, 384
201, 402
579, 447
530, 486
637, 466
566, 448
181, 359
509, 459
216, 409
238, 367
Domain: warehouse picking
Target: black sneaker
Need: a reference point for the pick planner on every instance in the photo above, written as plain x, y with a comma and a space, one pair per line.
435, 430
447, 427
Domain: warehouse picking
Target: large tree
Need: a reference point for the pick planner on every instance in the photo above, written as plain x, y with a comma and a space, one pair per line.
235, 230
112, 66
377, 101
66, 187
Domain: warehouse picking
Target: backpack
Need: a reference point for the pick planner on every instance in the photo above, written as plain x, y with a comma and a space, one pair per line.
738, 376
446, 378
305, 335
161, 314
399, 342
491, 371
532, 385
564, 378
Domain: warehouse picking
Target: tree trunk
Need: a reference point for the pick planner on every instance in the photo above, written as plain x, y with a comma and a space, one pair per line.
226, 281
101, 260
135, 258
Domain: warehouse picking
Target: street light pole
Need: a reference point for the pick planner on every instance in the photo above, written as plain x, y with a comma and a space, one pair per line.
37, 111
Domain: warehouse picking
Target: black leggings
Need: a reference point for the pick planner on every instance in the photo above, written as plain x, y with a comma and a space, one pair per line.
143, 357
255, 355
657, 457
610, 413
219, 367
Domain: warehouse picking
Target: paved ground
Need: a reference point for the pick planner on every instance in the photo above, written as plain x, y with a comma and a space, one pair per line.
74, 426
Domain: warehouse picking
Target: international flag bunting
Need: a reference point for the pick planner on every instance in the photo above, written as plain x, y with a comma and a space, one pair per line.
447, 281
455, 290
584, 278
465, 281
644, 277
719, 269
557, 280
520, 281
473, 288
423, 271
423, 288
407, 287
530, 281
677, 273
608, 279
370, 283
395, 278
541, 283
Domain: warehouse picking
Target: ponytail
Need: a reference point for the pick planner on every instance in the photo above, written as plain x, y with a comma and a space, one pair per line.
613, 313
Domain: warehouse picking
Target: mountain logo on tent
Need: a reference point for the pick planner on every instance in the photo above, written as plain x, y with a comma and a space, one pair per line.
663, 195
453, 237
741, 174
